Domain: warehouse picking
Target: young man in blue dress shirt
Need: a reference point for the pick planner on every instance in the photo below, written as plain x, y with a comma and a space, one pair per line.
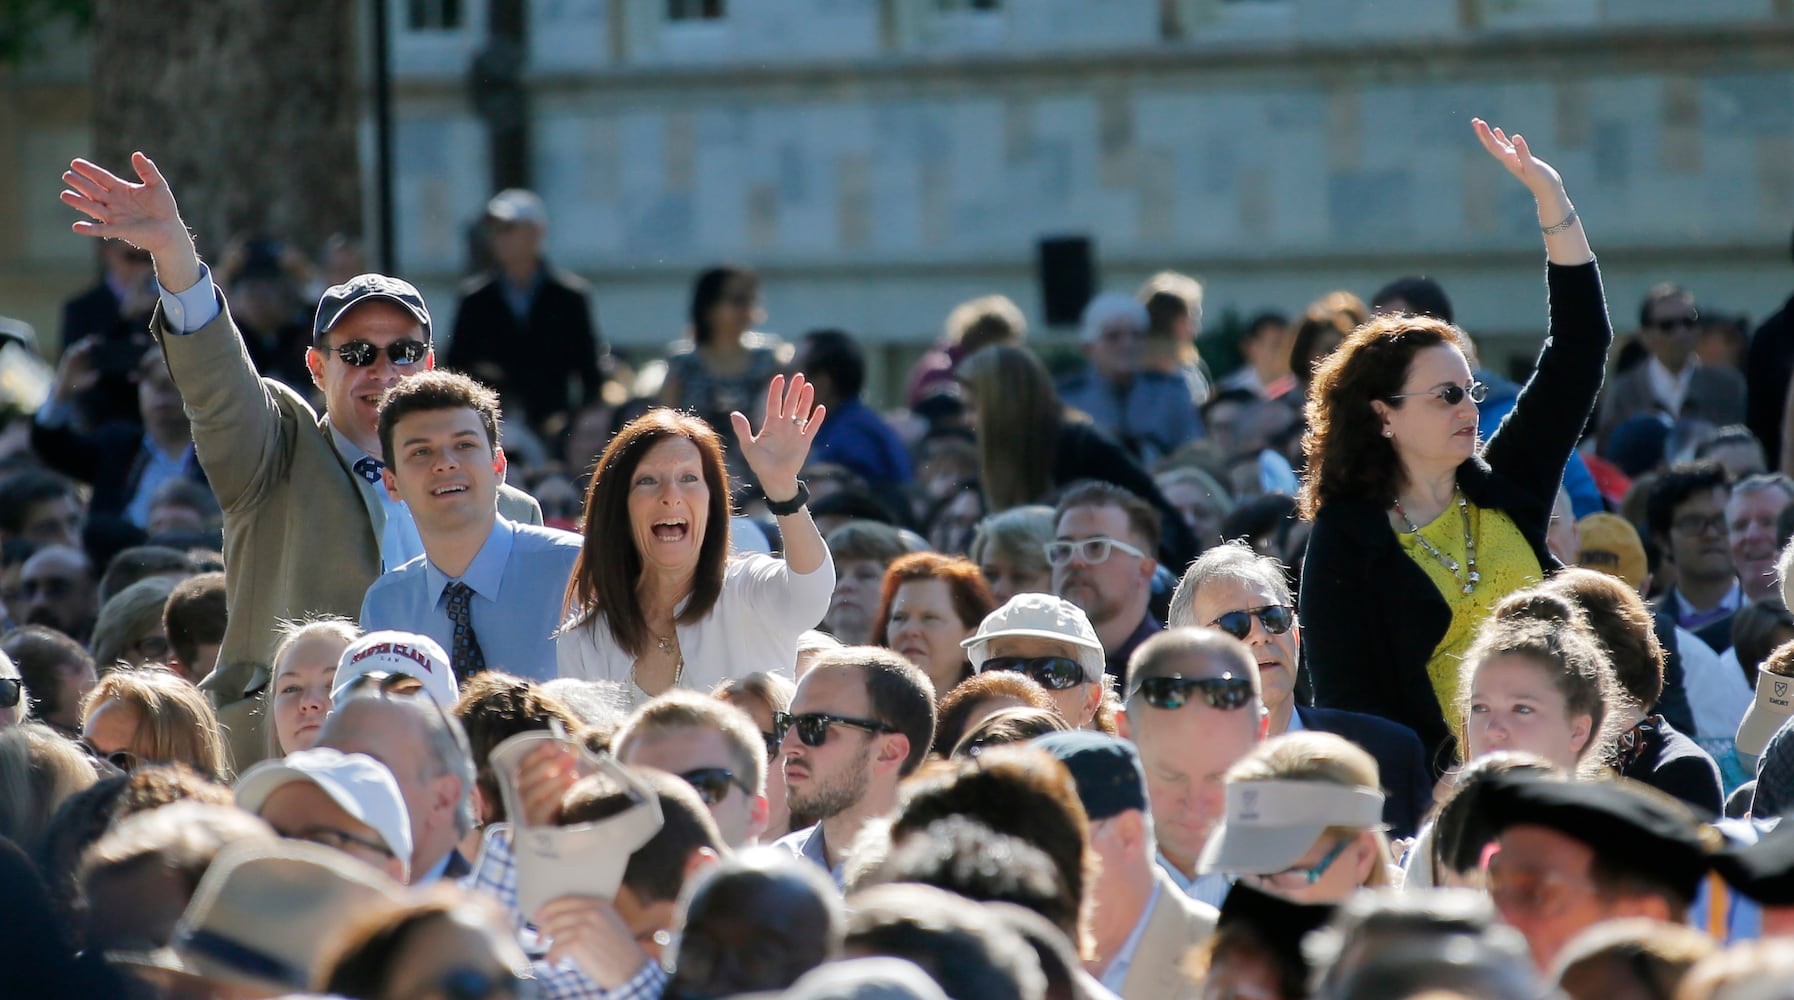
488, 589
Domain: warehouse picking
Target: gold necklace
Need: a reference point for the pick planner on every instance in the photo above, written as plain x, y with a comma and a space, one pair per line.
668, 644
1466, 581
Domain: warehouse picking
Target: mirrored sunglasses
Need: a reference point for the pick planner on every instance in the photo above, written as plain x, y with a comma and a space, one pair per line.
1055, 673
1226, 692
403, 353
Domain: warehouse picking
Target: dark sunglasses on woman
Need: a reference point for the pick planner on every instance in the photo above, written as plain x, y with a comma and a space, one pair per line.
812, 727
1276, 619
403, 353
11, 688
1226, 692
1055, 673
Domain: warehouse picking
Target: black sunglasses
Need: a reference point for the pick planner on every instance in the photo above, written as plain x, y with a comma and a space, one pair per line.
1276, 618
1055, 673
1225, 692
10, 690
772, 745
812, 727
1451, 395
403, 353
124, 760
713, 783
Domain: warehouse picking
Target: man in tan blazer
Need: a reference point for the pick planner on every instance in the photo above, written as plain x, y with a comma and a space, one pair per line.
307, 527
1142, 924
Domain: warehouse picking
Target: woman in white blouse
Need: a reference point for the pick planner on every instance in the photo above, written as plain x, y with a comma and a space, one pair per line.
655, 600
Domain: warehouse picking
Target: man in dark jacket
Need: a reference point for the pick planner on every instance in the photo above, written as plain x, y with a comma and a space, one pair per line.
525, 328
1232, 588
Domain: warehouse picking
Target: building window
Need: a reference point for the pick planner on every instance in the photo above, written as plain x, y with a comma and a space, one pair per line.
434, 15
695, 10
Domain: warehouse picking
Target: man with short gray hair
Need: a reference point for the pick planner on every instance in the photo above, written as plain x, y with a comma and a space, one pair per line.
1752, 527
1193, 709
1234, 589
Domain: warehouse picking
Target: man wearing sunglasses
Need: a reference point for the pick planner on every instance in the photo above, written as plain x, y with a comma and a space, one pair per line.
1193, 709
1237, 591
1102, 560
1049, 640
862, 720
1671, 380
713, 746
272, 460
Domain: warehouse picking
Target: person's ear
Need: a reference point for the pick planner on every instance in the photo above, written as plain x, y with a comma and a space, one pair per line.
445, 794
314, 363
1148, 567
499, 462
1579, 732
698, 860
391, 483
430, 359
1124, 723
759, 814
1383, 412
894, 750
1093, 703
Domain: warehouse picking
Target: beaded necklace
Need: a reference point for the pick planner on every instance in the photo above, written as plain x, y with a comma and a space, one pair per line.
1466, 582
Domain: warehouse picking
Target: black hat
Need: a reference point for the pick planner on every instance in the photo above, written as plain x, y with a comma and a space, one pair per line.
1277, 923
1106, 770
337, 300
1627, 824
1764, 871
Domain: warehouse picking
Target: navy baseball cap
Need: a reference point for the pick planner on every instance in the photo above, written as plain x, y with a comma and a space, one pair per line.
1106, 770
339, 299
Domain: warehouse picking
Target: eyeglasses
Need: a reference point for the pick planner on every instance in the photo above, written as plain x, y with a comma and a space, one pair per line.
812, 727
1695, 524
1088, 550
1450, 395
403, 353
10, 690
50, 588
1226, 692
1055, 673
152, 648
340, 840
713, 783
1298, 877
1276, 618
1676, 323
773, 740
124, 760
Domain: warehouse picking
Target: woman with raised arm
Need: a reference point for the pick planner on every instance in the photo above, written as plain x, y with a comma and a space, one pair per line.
1419, 528
656, 600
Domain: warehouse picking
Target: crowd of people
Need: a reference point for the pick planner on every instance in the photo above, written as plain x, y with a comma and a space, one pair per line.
1360, 670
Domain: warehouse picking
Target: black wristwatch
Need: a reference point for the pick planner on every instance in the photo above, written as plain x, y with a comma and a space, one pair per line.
786, 508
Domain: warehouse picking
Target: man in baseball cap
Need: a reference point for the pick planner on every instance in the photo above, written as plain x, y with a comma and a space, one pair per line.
1142, 924
348, 801
409, 654
1050, 640
308, 523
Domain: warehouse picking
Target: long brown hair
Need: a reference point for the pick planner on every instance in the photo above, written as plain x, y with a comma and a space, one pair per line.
1019, 415
1348, 456
609, 568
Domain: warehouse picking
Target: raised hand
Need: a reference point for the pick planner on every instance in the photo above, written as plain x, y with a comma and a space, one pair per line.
787, 428
1512, 152
142, 213
75, 373
589, 932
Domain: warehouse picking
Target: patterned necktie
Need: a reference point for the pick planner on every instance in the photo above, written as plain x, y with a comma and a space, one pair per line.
464, 650
369, 469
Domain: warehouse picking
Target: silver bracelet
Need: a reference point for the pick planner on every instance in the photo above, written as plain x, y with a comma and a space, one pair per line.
1569, 220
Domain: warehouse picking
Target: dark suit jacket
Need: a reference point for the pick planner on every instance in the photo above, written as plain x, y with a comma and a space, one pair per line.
1401, 762
110, 458
1714, 394
529, 363
1716, 633
1371, 617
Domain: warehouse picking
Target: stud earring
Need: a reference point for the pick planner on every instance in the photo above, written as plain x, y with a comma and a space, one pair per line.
1388, 433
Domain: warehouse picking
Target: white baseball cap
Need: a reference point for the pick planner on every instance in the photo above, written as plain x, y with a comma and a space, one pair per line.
1041, 616
361, 785
1270, 824
394, 652
517, 205
1773, 704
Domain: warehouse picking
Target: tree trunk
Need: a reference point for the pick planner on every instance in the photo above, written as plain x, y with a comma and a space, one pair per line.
248, 107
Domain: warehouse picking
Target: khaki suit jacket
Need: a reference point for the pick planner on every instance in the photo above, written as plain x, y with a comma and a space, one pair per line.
1176, 924
300, 535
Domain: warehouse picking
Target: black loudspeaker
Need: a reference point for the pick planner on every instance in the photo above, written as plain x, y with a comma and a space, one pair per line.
1067, 266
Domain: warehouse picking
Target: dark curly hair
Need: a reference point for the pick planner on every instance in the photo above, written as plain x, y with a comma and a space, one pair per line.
1348, 457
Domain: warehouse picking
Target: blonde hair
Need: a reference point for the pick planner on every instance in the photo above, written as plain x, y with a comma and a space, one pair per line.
174, 720
1019, 415
292, 632
40, 769
1317, 756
